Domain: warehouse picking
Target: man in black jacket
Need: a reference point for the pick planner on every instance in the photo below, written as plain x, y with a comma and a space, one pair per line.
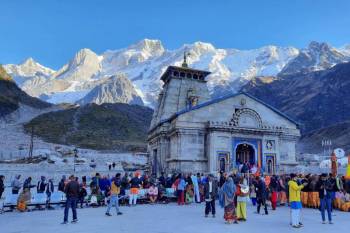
40, 188
325, 187
62, 183
210, 193
72, 193
162, 179
2, 185
261, 194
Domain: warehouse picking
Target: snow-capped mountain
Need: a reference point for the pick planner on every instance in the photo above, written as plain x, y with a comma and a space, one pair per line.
318, 56
28, 70
144, 62
116, 89
83, 67
345, 50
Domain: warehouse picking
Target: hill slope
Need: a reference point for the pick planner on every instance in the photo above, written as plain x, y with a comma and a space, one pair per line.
339, 134
118, 127
11, 96
316, 99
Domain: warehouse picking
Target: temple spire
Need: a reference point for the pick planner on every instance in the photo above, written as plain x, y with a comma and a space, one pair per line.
184, 63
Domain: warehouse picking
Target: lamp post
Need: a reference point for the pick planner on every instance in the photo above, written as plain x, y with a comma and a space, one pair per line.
326, 143
75, 156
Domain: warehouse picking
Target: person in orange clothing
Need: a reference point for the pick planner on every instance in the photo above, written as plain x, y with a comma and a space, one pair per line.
282, 196
267, 181
135, 185
313, 199
305, 191
273, 189
345, 202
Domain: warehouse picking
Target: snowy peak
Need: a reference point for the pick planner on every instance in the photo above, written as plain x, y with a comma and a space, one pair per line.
318, 46
84, 66
143, 63
317, 56
83, 57
115, 60
345, 50
202, 47
149, 47
28, 68
29, 62
116, 89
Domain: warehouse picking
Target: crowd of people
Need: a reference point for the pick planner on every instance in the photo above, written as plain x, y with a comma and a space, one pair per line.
325, 191
234, 191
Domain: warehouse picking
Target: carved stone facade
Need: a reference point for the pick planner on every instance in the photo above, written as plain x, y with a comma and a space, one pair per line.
191, 133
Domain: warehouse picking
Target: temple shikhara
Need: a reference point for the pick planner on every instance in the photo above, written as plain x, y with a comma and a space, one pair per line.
190, 132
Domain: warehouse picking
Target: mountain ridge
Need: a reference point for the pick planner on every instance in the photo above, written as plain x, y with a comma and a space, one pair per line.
317, 99
144, 62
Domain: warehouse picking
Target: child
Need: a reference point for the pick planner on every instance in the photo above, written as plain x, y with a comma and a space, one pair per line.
339, 197
345, 206
189, 194
253, 194
153, 193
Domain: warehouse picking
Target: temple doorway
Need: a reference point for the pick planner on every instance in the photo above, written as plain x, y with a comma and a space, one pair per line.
245, 153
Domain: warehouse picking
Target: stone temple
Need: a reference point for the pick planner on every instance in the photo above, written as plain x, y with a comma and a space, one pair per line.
190, 132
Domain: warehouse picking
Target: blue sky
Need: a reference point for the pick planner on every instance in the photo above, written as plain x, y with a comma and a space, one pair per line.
52, 31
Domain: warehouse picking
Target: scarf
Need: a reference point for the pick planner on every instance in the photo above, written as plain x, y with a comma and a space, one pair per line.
229, 188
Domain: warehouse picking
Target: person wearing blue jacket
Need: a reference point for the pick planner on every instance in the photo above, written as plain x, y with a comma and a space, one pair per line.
194, 179
104, 183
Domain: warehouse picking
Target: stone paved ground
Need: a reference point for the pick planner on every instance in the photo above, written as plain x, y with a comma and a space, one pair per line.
165, 219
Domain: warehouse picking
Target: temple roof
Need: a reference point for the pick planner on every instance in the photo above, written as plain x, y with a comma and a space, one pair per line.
219, 99
183, 72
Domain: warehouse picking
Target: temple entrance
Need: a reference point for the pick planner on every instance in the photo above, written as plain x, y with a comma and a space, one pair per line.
245, 153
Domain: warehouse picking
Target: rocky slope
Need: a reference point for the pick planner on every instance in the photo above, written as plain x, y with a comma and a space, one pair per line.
118, 127
11, 96
116, 89
317, 99
338, 133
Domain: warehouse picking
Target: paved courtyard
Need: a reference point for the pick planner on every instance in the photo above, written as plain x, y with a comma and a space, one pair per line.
165, 219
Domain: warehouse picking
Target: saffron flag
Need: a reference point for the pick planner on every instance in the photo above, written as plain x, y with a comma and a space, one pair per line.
347, 175
334, 165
